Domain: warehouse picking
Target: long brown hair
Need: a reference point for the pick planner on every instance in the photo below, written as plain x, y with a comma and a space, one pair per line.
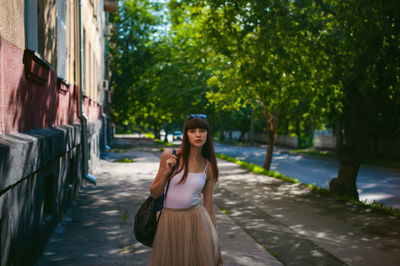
207, 151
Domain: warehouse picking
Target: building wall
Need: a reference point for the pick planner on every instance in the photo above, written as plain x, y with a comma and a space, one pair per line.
28, 103
93, 23
40, 173
324, 141
12, 22
41, 164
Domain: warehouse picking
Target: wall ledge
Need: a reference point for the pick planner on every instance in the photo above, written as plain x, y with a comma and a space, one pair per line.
22, 154
62, 85
37, 69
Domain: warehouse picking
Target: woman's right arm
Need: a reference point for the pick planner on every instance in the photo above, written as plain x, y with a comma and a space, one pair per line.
167, 163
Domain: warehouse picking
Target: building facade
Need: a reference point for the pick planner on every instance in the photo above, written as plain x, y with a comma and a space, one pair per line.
53, 86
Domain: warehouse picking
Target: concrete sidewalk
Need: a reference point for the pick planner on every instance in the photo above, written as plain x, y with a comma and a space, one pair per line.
98, 227
261, 216
306, 228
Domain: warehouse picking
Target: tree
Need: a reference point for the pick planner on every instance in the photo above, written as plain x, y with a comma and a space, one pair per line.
131, 54
363, 44
309, 62
261, 58
159, 75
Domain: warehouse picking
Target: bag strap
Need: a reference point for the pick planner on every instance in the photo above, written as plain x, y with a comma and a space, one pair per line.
169, 179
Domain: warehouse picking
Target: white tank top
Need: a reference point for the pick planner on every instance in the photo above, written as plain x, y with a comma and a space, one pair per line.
186, 194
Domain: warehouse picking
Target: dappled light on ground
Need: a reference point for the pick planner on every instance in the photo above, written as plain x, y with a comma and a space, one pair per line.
100, 228
256, 214
290, 219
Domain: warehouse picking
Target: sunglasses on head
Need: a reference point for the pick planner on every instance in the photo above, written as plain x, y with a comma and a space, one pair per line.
191, 116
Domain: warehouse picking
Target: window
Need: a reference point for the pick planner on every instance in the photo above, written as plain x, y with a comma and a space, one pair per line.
83, 66
61, 40
31, 24
90, 71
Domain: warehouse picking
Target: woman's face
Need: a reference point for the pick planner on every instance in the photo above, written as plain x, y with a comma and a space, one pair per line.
197, 136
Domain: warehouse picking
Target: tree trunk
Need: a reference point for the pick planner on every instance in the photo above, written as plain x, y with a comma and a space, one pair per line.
156, 132
345, 183
351, 155
251, 137
272, 126
339, 137
166, 135
241, 137
270, 149
222, 137
166, 129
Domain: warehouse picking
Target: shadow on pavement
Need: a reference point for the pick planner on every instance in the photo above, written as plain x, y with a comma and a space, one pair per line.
306, 228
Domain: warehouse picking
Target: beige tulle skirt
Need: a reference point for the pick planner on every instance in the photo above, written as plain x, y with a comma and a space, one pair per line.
185, 237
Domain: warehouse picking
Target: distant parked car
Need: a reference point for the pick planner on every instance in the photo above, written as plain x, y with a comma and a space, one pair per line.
177, 135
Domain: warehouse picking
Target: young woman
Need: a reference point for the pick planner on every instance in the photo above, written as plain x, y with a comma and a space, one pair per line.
186, 233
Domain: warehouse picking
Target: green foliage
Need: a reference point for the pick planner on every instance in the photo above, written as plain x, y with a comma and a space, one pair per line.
125, 160
306, 59
131, 55
362, 43
223, 210
376, 207
309, 64
159, 76
149, 135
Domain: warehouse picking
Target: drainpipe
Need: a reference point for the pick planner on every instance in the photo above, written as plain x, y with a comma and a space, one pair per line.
106, 147
82, 116
105, 94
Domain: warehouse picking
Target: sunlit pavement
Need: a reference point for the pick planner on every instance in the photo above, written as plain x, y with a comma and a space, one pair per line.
98, 227
261, 216
373, 183
304, 228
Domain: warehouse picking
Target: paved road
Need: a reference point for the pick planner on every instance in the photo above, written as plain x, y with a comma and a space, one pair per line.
379, 184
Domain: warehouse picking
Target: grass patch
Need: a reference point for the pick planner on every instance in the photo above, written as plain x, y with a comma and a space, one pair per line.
158, 141
377, 207
326, 154
125, 217
125, 160
318, 189
116, 150
257, 169
163, 143
223, 210
276, 256
149, 135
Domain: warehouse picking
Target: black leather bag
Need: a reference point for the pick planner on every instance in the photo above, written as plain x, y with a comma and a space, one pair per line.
146, 220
